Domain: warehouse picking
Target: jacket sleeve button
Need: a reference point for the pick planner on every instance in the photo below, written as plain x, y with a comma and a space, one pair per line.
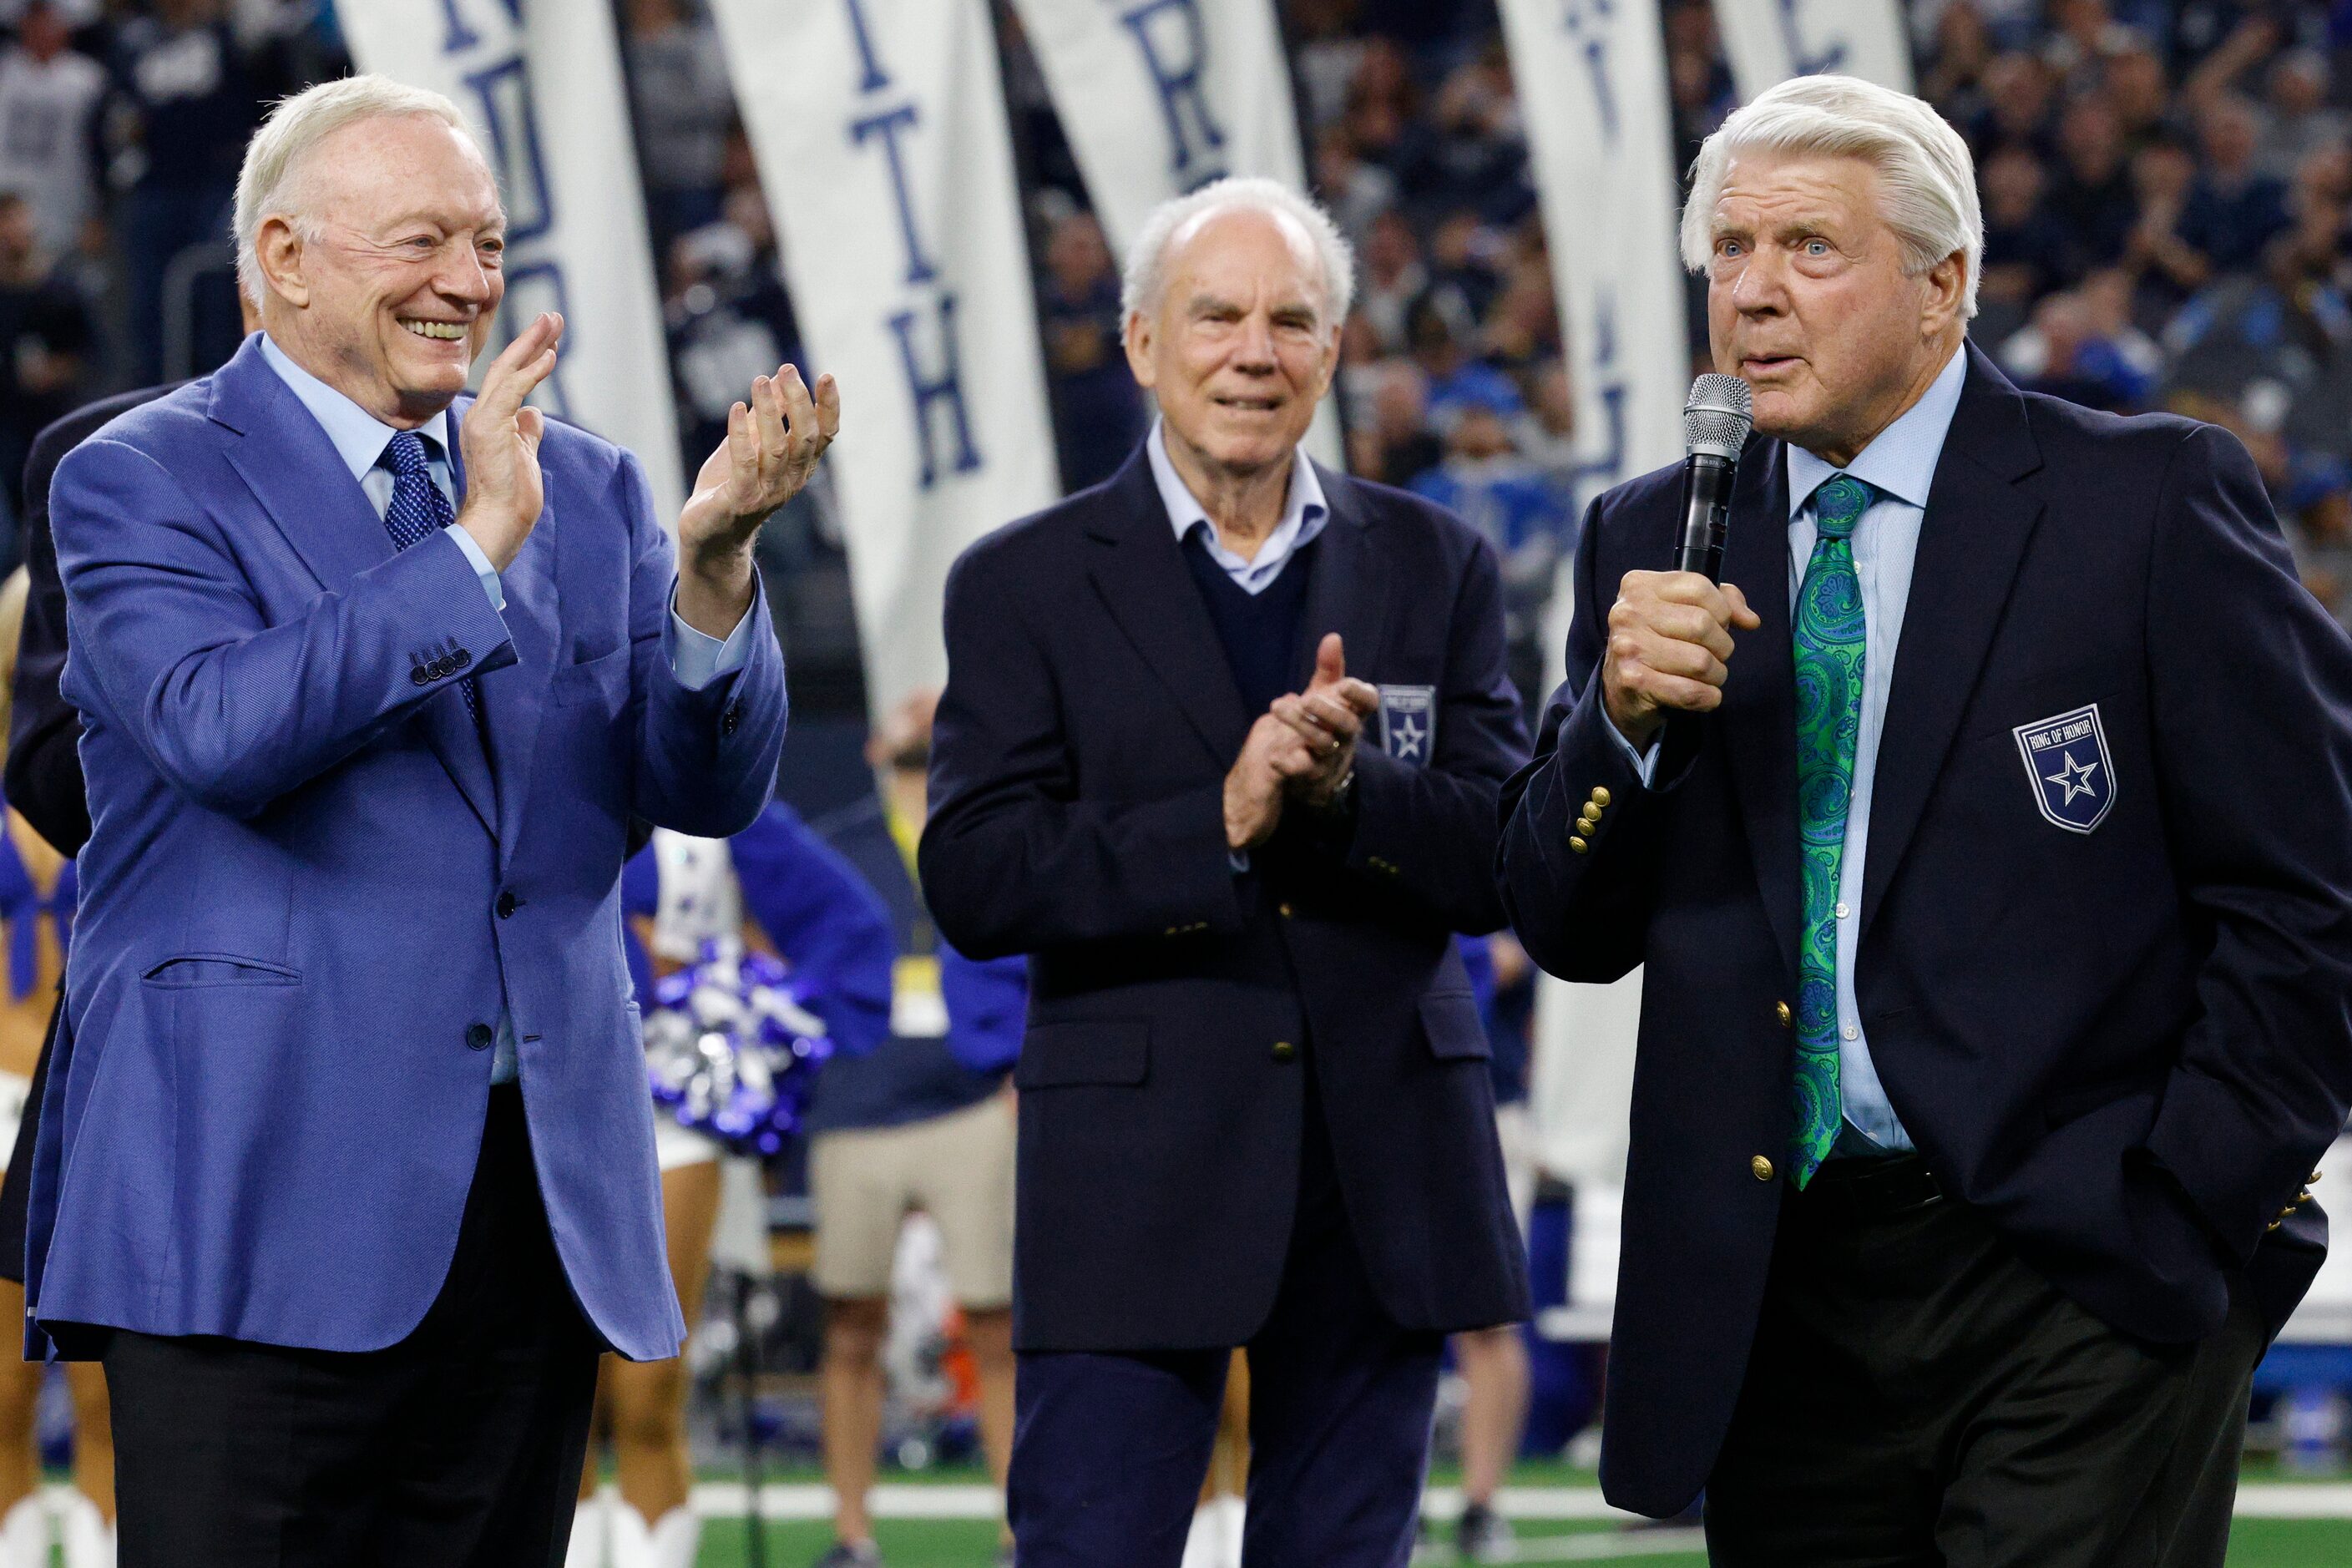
1761, 1168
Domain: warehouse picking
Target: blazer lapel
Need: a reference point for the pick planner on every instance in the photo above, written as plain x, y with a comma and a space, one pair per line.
1138, 570
1349, 592
1974, 536
313, 500
1759, 694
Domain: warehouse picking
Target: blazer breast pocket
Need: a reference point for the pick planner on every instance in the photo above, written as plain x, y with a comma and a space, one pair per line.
602, 682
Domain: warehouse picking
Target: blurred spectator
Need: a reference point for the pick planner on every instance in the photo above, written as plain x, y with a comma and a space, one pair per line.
2093, 188
2296, 118
1356, 193
46, 337
1099, 411
183, 108
2025, 246
1523, 324
1329, 50
49, 95
2282, 337
1394, 278
2076, 350
2015, 105
2163, 176
679, 97
1454, 379
1390, 440
2135, 90
2233, 209
1480, 156
1499, 492
729, 318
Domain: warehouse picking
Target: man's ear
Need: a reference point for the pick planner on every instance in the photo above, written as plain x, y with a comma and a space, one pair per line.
1136, 336
284, 271
1948, 289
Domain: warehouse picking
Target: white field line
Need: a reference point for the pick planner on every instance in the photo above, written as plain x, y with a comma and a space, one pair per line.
726, 1499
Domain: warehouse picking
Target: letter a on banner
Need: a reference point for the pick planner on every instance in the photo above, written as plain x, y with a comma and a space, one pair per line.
1768, 41
880, 130
1160, 96
567, 169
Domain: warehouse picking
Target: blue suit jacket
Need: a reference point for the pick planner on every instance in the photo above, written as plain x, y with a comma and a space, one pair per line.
2124, 1047
307, 888
1077, 786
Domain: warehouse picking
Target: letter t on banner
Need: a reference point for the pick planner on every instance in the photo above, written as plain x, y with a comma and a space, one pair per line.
1768, 41
880, 130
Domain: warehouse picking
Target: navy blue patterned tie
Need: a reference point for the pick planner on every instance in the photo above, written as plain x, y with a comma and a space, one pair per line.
418, 512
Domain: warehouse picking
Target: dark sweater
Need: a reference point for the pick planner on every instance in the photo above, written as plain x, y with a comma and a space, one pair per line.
1259, 631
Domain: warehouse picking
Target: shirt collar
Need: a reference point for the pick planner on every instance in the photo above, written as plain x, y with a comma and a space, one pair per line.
1304, 509
359, 436
1900, 461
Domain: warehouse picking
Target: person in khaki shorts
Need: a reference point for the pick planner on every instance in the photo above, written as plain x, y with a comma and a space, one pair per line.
925, 1122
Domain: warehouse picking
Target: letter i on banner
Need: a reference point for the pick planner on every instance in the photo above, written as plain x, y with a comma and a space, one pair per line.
1592, 78
567, 169
880, 130
1768, 41
1160, 96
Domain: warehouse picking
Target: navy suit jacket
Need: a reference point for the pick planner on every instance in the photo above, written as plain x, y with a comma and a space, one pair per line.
1077, 815
2124, 1047
310, 889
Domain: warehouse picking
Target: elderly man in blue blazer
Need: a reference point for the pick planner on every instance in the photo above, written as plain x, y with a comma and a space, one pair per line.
349, 1175
1987, 838
1219, 750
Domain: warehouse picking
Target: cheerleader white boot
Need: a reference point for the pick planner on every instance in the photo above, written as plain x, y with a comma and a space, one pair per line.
672, 1541
1215, 1539
25, 1534
592, 1528
82, 1531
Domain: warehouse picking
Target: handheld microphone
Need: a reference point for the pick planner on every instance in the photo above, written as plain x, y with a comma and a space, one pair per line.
1716, 417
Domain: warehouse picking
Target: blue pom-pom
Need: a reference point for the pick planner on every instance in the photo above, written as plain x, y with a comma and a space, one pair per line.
732, 1050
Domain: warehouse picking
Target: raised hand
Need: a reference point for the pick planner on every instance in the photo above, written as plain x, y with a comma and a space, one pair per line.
1327, 720
500, 437
773, 442
1669, 641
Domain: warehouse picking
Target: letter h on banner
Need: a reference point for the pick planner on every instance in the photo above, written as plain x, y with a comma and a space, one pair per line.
1180, 85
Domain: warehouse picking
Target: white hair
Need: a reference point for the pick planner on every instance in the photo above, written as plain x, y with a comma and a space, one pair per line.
266, 185
1923, 165
1147, 259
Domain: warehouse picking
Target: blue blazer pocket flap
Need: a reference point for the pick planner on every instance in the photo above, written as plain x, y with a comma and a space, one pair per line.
1450, 1019
219, 969
1116, 1051
603, 680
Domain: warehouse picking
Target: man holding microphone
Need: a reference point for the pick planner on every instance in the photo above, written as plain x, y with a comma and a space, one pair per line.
1987, 838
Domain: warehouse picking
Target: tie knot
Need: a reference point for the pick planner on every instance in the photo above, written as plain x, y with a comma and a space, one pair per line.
405, 456
1839, 504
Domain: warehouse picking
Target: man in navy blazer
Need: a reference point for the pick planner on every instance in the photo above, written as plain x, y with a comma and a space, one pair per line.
347, 1172
1988, 848
1219, 750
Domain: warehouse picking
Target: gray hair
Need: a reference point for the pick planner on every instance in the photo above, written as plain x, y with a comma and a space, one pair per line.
273, 159
1925, 167
1147, 259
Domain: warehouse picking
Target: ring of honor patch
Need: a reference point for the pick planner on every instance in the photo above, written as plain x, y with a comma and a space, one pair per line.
2066, 758
1409, 723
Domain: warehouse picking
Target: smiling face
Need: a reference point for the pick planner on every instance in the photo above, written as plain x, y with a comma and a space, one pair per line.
1808, 302
1238, 350
386, 286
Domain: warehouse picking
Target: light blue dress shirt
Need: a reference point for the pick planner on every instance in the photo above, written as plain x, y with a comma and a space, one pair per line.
359, 438
1304, 513
1900, 464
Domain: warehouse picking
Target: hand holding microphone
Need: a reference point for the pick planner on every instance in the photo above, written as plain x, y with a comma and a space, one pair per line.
1670, 632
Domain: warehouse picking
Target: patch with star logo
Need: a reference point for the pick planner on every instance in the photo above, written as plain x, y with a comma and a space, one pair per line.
2066, 758
1409, 723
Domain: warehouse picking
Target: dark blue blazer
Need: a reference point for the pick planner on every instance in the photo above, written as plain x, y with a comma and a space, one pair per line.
2124, 1047
310, 887
1077, 815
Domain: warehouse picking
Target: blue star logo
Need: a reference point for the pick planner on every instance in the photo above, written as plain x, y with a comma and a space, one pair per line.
1409, 738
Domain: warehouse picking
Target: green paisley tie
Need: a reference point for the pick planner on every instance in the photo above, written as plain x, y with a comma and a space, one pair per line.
1829, 653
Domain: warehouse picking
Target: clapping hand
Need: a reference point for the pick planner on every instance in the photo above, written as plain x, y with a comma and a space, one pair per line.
773, 442
504, 489
1327, 719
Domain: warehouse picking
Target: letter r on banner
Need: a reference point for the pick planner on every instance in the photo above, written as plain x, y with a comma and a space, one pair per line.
1181, 86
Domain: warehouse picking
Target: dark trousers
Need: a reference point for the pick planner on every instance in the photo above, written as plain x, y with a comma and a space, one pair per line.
1109, 1451
1918, 1397
458, 1447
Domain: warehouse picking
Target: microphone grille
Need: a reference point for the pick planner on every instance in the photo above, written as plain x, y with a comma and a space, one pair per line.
1718, 415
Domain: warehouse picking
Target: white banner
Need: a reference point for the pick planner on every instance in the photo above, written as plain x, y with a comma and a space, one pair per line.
880, 134
1600, 138
1768, 41
1160, 96
545, 94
